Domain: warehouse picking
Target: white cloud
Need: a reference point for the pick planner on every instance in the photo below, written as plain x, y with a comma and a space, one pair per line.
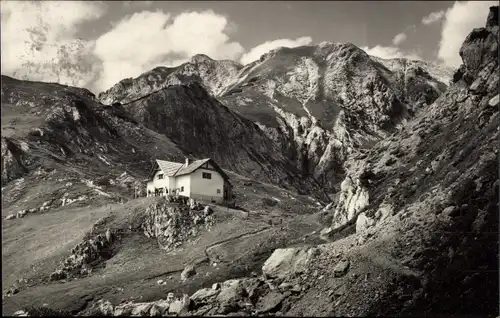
38, 40
459, 22
256, 52
399, 38
147, 39
433, 17
389, 52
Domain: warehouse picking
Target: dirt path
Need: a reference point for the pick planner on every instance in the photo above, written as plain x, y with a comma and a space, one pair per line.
244, 235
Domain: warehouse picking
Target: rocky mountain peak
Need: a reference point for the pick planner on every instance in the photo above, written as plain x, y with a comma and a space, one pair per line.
200, 58
214, 75
480, 46
492, 19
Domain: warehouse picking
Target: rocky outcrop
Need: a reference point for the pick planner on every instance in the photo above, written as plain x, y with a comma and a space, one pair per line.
427, 203
93, 250
188, 272
389, 159
172, 223
288, 262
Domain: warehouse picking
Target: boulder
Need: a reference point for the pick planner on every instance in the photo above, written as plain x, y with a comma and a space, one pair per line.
104, 307
326, 232
341, 268
57, 275
170, 297
285, 286
124, 309
188, 271
494, 101
10, 217
207, 211
285, 262
109, 236
363, 222
203, 295
313, 252
141, 309
179, 305
20, 313
157, 308
192, 204
270, 302
21, 214
231, 294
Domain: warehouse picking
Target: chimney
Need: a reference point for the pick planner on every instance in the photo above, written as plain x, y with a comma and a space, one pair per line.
187, 162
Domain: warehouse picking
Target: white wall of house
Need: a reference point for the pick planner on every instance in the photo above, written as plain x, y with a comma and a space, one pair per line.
207, 188
194, 185
184, 181
159, 183
171, 185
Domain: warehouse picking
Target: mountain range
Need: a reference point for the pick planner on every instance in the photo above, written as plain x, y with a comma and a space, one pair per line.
396, 159
317, 104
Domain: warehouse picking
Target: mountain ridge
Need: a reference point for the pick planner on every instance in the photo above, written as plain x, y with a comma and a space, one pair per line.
294, 96
410, 165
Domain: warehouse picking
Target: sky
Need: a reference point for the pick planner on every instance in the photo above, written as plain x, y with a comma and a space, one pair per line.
95, 44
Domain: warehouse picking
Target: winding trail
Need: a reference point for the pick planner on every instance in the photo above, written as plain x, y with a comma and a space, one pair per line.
244, 235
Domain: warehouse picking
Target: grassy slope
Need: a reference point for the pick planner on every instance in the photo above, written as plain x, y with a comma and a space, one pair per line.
237, 243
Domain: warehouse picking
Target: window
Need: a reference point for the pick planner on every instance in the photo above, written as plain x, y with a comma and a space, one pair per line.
160, 176
182, 189
206, 175
218, 190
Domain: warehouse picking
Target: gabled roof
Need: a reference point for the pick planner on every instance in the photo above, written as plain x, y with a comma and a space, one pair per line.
175, 169
192, 167
168, 167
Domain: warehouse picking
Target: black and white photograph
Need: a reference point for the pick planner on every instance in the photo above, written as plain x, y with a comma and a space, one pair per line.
250, 158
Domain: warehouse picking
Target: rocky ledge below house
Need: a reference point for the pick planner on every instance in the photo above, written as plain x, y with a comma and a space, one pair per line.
174, 220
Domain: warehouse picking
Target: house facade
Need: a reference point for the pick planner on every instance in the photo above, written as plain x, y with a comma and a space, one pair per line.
202, 180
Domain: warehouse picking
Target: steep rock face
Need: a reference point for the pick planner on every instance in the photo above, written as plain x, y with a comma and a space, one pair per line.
318, 103
13, 165
203, 127
433, 192
476, 85
322, 103
212, 75
172, 224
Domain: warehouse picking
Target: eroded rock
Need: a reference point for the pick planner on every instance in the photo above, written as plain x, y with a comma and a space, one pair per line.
363, 222
286, 262
188, 272
341, 268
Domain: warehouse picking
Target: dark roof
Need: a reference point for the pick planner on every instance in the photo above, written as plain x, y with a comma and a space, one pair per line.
195, 165
192, 167
176, 169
